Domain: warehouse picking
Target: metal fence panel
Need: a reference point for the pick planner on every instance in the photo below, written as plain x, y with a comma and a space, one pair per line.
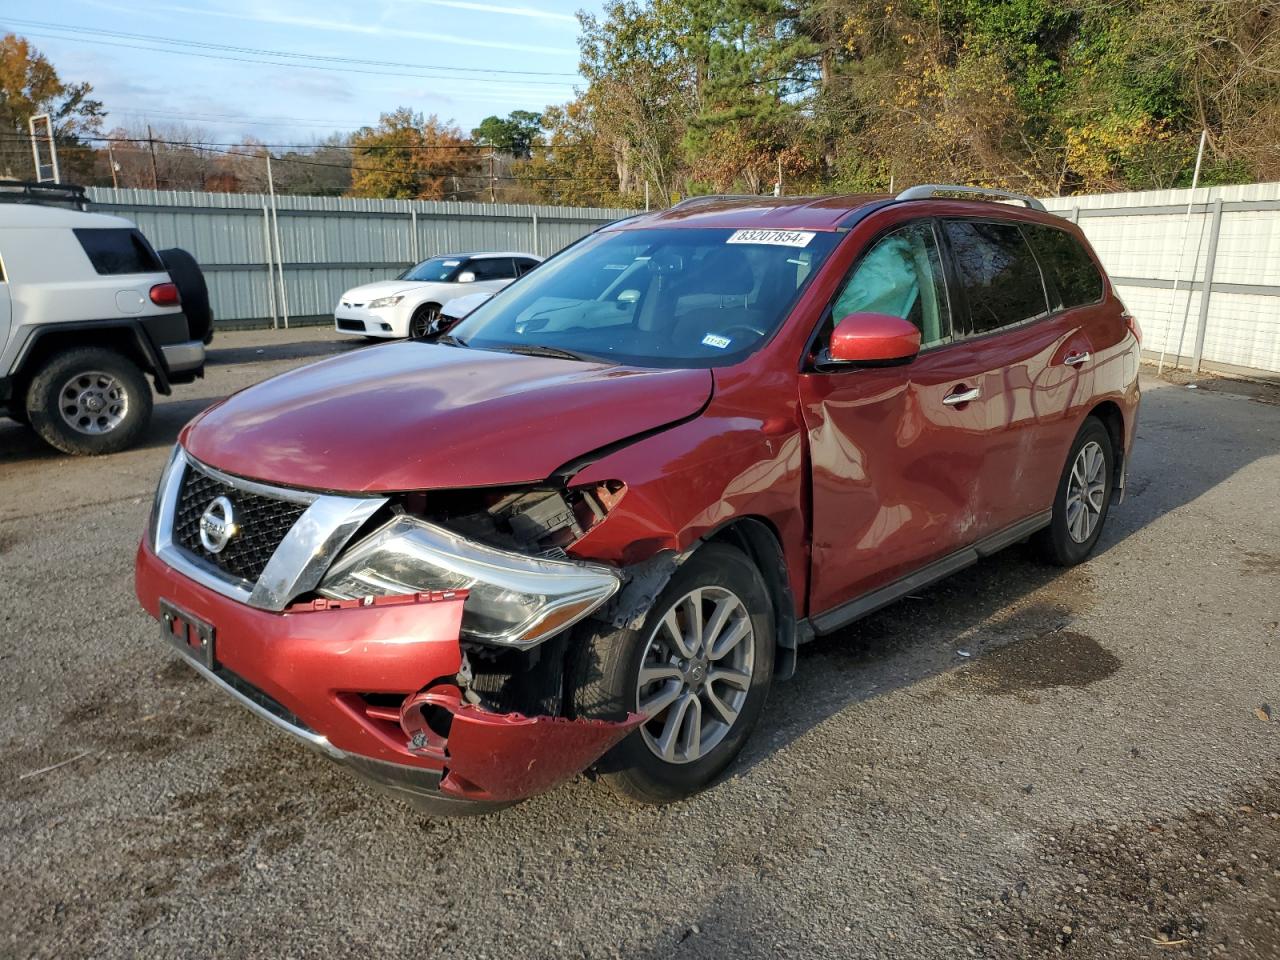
1227, 250
330, 244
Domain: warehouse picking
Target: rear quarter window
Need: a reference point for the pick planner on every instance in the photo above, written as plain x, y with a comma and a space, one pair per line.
1068, 265
118, 250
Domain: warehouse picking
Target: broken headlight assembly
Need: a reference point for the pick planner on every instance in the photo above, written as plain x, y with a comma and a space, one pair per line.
513, 599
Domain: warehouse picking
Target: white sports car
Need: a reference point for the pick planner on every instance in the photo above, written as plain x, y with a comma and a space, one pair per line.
409, 305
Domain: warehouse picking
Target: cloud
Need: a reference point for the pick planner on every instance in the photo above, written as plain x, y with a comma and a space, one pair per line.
260, 15
533, 12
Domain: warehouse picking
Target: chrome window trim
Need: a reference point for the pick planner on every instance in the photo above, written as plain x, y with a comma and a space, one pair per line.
299, 561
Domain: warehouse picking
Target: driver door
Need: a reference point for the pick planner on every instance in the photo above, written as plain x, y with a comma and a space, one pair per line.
895, 459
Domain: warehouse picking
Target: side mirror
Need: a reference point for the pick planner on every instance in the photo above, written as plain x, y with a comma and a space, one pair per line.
466, 276
871, 340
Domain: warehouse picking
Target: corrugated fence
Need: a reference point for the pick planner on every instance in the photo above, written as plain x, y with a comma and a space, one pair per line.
1225, 257
329, 244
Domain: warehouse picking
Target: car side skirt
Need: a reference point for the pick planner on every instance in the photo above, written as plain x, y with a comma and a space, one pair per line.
868, 603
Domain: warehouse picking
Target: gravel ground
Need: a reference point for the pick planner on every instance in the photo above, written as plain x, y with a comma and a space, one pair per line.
1020, 762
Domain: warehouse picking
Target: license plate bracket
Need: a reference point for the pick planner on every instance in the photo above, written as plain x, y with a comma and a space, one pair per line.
189, 634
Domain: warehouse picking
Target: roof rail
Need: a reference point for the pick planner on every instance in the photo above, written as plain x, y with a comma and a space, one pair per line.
708, 197
927, 190
45, 194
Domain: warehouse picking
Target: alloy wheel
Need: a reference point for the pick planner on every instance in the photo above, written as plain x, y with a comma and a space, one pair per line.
422, 323
93, 402
695, 674
1086, 492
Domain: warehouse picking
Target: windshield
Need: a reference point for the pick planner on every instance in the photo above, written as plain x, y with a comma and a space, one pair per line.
436, 269
683, 297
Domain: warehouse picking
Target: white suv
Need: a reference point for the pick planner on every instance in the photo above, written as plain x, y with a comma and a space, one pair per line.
86, 308
409, 305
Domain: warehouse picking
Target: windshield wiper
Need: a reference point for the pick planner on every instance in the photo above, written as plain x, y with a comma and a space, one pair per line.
541, 350
449, 340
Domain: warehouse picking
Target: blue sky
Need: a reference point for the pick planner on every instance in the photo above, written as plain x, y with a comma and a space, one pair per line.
460, 59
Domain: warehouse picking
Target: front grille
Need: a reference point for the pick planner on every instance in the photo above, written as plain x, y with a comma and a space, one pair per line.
261, 523
356, 325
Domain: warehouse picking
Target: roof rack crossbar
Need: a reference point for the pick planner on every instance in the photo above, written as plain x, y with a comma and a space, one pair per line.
47, 194
927, 190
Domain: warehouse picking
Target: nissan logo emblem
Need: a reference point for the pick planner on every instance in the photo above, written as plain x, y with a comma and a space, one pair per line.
217, 525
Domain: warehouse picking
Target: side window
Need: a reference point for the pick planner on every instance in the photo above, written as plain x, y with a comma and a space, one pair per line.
1068, 265
524, 266
492, 268
998, 272
118, 250
901, 275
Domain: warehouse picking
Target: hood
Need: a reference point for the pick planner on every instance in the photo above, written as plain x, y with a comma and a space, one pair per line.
382, 288
415, 416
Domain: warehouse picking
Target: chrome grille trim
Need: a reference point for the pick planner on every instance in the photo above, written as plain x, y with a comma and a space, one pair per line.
299, 561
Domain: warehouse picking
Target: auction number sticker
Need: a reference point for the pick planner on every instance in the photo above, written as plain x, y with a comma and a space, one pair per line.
776, 238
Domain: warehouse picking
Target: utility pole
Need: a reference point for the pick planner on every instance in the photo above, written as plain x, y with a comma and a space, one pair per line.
275, 229
777, 186
111, 161
155, 176
646, 195
492, 179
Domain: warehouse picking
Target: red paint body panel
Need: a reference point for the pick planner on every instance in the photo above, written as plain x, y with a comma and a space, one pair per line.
863, 475
502, 757
871, 337
315, 662
416, 416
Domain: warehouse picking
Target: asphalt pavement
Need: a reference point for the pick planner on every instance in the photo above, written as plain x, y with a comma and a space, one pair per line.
1019, 762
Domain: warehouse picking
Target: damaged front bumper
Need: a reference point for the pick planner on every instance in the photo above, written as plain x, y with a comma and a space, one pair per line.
373, 687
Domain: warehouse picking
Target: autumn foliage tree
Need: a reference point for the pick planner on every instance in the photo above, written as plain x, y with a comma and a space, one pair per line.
409, 156
30, 85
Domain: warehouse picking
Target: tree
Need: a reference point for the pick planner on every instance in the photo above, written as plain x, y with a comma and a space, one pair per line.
30, 85
515, 134
408, 156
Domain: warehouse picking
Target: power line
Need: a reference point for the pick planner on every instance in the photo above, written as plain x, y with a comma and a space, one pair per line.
247, 152
307, 66
260, 51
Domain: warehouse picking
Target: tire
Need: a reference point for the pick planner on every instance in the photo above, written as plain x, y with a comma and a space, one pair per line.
83, 377
423, 319
605, 684
1069, 538
189, 279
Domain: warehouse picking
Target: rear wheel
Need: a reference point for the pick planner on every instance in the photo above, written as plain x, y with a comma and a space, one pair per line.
424, 318
89, 401
699, 668
1083, 498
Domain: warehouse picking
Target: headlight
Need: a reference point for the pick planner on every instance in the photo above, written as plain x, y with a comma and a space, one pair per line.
514, 599
384, 302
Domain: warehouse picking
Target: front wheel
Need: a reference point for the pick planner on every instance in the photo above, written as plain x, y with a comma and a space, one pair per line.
424, 318
89, 401
1083, 497
698, 668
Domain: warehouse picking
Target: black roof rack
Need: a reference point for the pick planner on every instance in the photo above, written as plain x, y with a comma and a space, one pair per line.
44, 194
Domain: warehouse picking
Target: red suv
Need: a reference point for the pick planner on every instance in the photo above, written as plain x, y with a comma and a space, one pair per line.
593, 523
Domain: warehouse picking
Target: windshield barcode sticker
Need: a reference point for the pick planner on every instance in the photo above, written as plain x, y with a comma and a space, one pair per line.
776, 238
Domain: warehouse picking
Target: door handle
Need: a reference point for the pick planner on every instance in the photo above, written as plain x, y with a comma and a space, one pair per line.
1075, 359
962, 396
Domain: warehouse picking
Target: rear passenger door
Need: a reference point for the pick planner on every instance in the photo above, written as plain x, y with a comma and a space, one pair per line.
1014, 335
